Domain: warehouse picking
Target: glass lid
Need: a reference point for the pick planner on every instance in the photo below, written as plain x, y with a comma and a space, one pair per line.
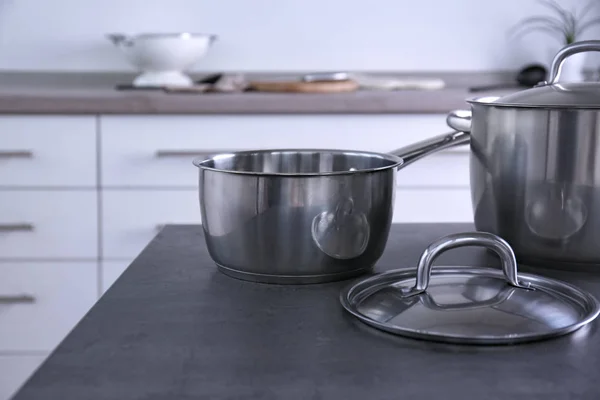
553, 93
469, 304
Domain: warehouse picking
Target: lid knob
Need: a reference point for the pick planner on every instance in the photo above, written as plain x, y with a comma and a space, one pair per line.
564, 53
488, 240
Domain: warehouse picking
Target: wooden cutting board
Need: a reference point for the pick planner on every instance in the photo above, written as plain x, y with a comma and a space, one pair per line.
305, 87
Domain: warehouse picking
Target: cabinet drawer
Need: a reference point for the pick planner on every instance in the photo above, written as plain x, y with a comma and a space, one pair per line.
15, 370
47, 151
127, 229
433, 205
132, 218
158, 150
57, 297
48, 224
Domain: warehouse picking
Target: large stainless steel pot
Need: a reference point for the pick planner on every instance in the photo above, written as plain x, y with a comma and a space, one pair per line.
535, 167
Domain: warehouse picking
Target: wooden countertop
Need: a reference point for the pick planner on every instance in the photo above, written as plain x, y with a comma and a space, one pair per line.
23, 93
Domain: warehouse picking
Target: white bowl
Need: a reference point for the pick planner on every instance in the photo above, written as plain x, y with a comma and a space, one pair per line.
162, 58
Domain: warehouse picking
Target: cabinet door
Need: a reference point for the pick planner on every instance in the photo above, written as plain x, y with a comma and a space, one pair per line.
448, 169
433, 205
43, 224
48, 151
131, 218
42, 301
157, 151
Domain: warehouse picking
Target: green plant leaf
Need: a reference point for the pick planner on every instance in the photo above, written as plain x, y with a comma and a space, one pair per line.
540, 21
522, 30
553, 32
587, 8
572, 26
548, 21
556, 7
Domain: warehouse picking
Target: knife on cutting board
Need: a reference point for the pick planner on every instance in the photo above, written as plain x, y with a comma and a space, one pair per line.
396, 83
323, 82
366, 81
305, 87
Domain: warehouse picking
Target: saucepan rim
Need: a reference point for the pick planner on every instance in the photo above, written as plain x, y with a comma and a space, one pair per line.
395, 161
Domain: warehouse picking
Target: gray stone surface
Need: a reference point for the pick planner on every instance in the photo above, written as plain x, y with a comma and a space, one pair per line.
172, 327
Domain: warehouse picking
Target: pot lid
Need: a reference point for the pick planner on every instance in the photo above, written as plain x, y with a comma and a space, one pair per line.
553, 93
468, 304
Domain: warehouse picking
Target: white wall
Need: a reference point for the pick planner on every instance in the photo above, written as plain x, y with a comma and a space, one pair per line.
279, 34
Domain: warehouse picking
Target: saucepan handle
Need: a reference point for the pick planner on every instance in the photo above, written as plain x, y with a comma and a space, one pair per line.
416, 151
484, 239
459, 120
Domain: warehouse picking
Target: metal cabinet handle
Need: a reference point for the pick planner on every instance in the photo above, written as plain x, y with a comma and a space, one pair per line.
16, 299
19, 227
16, 154
190, 153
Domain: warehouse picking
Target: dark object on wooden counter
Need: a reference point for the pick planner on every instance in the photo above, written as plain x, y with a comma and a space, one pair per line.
305, 87
210, 79
528, 77
129, 86
199, 86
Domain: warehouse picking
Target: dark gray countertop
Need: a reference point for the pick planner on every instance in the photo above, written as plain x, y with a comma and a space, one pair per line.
172, 327
95, 93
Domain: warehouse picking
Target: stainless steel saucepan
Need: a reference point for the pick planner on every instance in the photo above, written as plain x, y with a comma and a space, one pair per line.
302, 216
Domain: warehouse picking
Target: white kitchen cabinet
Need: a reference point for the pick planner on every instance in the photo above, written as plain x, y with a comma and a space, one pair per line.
131, 218
157, 151
48, 151
433, 205
447, 169
15, 370
46, 224
81, 196
57, 296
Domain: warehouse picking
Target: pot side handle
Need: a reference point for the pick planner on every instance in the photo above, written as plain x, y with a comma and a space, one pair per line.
459, 120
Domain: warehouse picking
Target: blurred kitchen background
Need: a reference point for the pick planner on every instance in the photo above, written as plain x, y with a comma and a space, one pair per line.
270, 35
89, 173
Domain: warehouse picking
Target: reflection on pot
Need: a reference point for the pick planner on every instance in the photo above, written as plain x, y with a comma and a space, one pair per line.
343, 233
555, 211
